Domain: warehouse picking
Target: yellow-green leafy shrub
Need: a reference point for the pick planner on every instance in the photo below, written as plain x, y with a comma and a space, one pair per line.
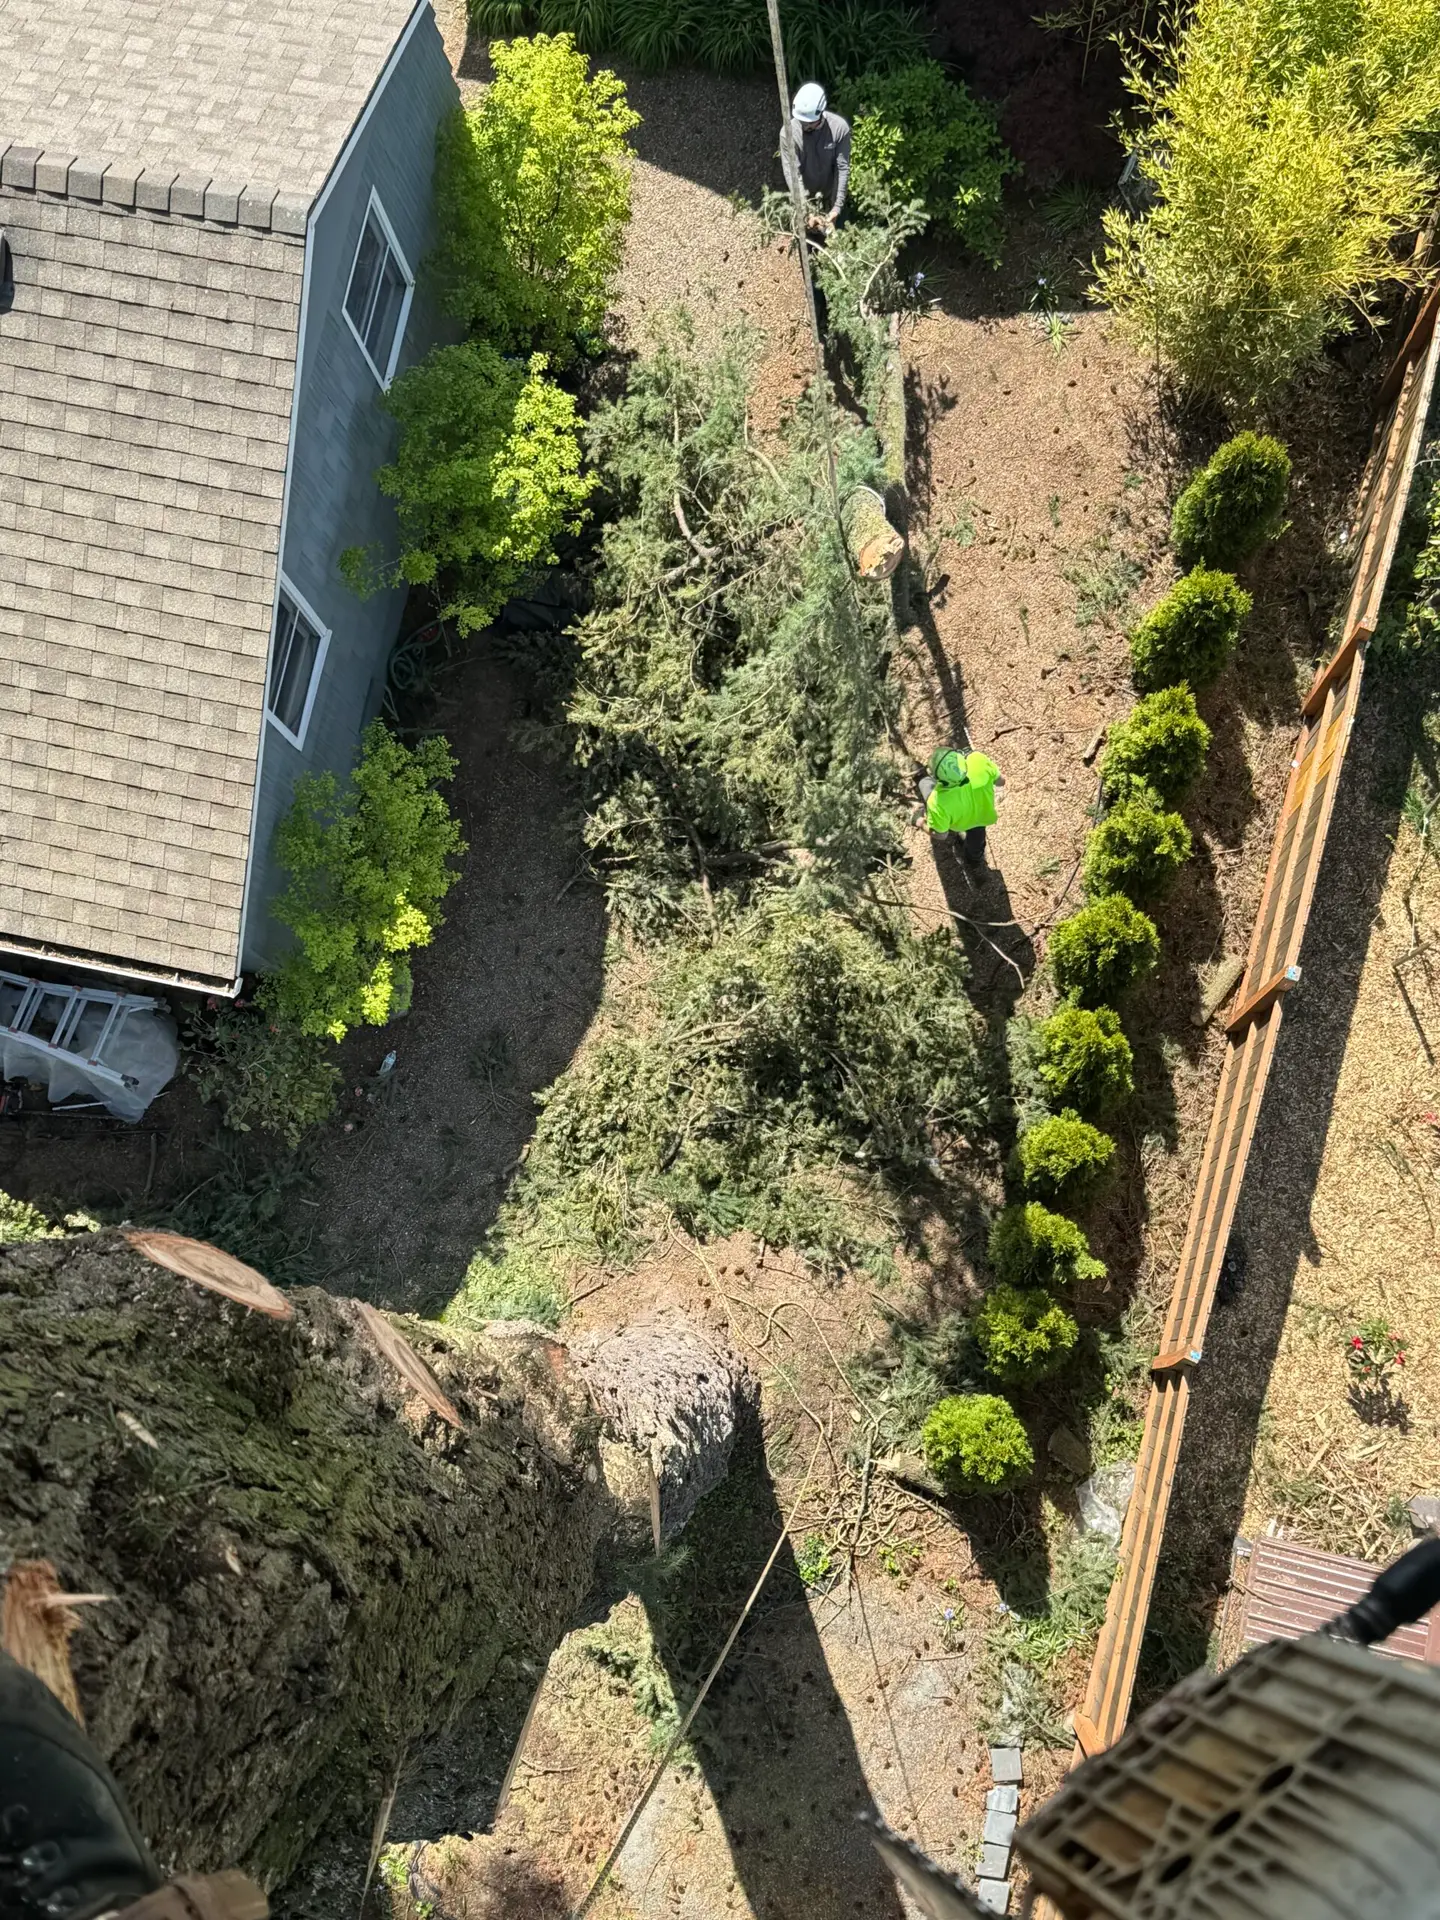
919, 135
1032, 1247
1233, 505
1083, 1059
1160, 744
1024, 1335
1100, 951
369, 866
1063, 1156
976, 1443
1137, 849
1190, 634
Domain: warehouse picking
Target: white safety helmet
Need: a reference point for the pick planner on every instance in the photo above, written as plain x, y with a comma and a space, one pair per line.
810, 103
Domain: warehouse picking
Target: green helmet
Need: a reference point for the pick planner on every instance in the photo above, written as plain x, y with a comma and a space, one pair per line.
948, 767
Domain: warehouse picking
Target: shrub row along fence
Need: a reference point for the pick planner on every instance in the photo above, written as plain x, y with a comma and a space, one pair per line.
1327, 717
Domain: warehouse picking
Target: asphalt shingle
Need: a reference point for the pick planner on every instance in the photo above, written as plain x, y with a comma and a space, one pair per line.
140, 493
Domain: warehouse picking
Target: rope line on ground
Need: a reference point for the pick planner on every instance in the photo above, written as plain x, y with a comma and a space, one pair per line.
597, 1886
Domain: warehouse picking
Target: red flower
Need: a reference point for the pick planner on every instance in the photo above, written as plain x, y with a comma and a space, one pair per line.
1357, 1341
1399, 1359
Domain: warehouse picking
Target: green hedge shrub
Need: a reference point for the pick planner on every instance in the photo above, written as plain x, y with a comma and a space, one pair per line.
1063, 1156
1032, 1247
919, 135
1161, 743
532, 196
264, 1073
1191, 633
1084, 1059
975, 1443
1023, 1335
368, 869
1103, 949
1233, 505
1137, 849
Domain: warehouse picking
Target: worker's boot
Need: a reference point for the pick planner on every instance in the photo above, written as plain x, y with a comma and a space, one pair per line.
69, 1849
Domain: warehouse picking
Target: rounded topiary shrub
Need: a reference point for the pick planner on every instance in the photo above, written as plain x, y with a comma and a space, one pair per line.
1234, 504
1137, 849
1191, 633
1063, 1155
1161, 744
1103, 949
1023, 1335
976, 1443
1083, 1058
1032, 1247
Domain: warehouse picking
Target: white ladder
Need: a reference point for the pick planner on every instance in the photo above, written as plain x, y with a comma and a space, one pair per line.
76, 1023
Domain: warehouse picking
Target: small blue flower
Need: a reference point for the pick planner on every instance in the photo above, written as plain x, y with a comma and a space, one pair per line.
949, 1613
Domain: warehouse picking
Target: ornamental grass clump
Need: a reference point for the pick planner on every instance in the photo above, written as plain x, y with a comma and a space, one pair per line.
1137, 849
1063, 1157
1102, 950
1160, 744
976, 1443
1032, 1247
1233, 505
1024, 1335
1084, 1060
1190, 634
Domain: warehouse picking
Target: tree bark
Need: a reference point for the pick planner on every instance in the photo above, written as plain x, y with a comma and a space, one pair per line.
313, 1572
875, 546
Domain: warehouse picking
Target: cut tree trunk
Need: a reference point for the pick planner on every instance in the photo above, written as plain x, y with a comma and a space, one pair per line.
875, 546
312, 1571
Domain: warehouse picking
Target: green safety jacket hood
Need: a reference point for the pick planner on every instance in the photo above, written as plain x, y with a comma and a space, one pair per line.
964, 792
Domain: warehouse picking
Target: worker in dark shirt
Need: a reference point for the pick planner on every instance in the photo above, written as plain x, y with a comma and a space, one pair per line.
818, 143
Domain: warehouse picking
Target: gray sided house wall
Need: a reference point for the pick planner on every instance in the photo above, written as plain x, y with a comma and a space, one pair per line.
343, 434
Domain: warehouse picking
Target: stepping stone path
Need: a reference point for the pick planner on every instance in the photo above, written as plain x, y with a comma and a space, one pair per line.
1002, 1814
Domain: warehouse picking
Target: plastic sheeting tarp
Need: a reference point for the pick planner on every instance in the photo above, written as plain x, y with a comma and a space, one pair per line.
143, 1049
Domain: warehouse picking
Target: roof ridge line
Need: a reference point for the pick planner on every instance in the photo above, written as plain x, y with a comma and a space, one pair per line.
126, 187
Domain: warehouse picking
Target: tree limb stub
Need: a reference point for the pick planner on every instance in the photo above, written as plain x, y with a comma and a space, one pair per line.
312, 1570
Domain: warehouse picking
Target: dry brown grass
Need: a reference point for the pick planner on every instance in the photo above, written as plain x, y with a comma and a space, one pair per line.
1322, 1471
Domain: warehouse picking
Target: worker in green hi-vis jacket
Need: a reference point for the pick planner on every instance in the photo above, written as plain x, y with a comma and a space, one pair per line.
960, 792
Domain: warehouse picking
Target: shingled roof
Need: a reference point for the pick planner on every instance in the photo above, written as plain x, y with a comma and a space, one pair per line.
159, 161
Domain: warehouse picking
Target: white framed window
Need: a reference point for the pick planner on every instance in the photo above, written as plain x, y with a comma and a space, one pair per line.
296, 661
377, 301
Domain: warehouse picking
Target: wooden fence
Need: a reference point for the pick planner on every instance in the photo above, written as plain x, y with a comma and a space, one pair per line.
1273, 968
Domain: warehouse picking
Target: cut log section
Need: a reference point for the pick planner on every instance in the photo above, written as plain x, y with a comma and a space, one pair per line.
406, 1362
36, 1623
208, 1267
875, 546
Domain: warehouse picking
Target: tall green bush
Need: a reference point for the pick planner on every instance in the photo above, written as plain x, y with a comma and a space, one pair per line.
486, 478
1288, 145
1024, 1336
919, 135
368, 868
976, 1443
1190, 634
1032, 1247
1084, 1059
1137, 849
532, 195
1233, 505
1161, 745
1063, 1156
1103, 949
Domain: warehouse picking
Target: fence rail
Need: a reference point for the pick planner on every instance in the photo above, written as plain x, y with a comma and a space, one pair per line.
1273, 967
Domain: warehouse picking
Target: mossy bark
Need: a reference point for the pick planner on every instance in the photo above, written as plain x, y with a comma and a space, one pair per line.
311, 1574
